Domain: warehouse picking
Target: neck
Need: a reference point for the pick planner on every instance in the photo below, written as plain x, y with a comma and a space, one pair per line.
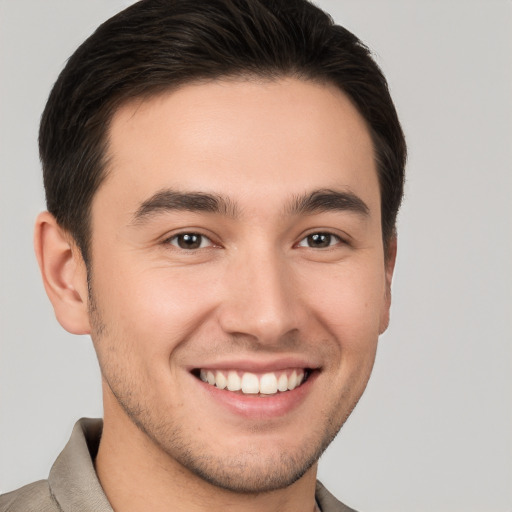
137, 475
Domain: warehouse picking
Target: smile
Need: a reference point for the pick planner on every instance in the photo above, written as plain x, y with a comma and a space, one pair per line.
249, 383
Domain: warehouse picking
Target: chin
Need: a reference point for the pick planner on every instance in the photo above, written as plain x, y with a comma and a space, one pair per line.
263, 465
250, 473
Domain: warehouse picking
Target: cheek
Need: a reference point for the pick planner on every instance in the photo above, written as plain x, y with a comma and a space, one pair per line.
151, 310
349, 299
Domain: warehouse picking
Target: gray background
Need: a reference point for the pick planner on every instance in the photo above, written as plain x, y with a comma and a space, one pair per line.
434, 429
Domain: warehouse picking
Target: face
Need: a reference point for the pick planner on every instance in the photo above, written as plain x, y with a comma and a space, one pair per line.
237, 244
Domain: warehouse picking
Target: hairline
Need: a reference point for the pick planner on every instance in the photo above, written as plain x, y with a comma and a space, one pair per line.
119, 101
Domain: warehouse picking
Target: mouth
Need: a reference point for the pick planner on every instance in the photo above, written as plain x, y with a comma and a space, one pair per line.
263, 384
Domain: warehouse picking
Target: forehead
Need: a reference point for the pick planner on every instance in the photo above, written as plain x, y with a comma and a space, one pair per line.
241, 138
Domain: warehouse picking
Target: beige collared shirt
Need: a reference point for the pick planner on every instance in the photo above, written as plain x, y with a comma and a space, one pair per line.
73, 486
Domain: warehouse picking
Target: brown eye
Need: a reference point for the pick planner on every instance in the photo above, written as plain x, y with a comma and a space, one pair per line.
319, 240
190, 241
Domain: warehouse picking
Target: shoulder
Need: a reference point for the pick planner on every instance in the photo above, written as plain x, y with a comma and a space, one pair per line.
327, 502
35, 497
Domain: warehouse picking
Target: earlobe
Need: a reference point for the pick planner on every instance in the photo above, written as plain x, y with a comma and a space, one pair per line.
389, 262
63, 272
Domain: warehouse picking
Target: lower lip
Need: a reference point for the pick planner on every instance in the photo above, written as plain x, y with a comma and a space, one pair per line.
260, 407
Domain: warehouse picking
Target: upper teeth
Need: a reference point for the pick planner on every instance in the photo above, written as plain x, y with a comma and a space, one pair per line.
251, 383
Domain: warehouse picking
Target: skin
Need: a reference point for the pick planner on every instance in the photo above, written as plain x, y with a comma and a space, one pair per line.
254, 294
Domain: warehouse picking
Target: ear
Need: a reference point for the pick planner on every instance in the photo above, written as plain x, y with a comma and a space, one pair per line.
64, 274
389, 263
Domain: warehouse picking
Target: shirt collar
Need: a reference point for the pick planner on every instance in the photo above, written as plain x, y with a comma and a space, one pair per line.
73, 480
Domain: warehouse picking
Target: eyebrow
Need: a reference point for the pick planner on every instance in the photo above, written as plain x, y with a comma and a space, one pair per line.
172, 200
325, 200
318, 201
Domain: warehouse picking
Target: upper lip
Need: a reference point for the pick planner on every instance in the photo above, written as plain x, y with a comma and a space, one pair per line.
259, 365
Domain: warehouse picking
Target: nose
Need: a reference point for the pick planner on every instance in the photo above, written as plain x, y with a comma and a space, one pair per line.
260, 298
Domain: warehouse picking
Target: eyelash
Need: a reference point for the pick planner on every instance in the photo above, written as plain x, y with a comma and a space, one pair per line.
192, 238
321, 236
189, 236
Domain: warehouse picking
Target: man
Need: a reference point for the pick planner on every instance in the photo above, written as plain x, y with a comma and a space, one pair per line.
222, 180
